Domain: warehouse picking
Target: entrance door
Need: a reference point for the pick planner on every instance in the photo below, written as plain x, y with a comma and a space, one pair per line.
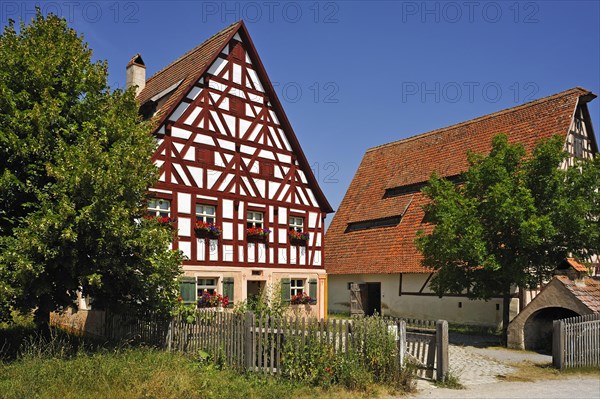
254, 288
373, 299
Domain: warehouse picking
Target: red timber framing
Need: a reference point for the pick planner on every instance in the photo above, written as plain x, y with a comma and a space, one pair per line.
226, 142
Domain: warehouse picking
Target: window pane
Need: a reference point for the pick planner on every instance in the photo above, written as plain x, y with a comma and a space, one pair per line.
199, 209
258, 216
163, 204
210, 210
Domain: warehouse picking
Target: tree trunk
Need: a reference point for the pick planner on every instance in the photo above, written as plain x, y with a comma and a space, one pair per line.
505, 315
41, 317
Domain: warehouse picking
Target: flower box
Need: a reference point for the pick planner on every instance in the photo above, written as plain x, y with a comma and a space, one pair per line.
165, 221
298, 238
301, 299
207, 230
208, 300
257, 234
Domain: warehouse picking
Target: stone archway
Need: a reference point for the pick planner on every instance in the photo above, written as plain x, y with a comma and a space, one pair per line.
537, 331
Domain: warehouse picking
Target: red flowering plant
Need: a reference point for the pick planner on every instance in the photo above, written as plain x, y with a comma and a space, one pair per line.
257, 233
164, 220
205, 229
208, 300
298, 238
301, 299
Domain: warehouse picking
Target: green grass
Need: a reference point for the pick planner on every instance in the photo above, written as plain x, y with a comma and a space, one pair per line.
451, 382
474, 330
64, 366
143, 373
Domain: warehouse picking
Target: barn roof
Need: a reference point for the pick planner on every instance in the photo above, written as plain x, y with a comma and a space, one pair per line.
386, 187
170, 85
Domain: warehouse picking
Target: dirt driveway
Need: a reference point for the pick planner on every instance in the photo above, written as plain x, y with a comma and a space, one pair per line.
481, 367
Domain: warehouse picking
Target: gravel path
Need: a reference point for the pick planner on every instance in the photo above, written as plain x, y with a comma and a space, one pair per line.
478, 366
569, 388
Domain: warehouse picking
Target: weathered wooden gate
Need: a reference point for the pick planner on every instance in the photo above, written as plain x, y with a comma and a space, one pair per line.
356, 300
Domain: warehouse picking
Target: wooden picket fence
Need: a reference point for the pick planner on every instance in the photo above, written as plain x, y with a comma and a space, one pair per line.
576, 342
248, 342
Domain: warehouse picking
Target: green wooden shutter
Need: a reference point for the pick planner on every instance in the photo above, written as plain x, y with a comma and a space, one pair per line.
187, 289
228, 289
312, 289
285, 289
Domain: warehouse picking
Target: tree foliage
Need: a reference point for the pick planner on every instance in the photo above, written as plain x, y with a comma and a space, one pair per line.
511, 220
75, 168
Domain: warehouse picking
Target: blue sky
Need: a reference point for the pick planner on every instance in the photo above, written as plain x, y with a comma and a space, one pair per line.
353, 75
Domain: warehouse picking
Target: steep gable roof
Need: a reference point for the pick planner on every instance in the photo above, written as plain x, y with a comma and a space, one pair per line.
408, 164
185, 71
180, 76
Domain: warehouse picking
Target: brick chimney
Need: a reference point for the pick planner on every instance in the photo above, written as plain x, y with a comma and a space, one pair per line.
136, 74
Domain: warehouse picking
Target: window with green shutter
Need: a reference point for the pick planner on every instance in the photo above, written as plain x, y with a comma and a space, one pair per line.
228, 289
187, 289
312, 289
285, 289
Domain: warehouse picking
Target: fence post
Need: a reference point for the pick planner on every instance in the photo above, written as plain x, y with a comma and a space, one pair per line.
402, 344
248, 347
558, 344
441, 336
170, 335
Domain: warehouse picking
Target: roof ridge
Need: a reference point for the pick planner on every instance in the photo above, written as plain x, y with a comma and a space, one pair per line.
198, 47
483, 117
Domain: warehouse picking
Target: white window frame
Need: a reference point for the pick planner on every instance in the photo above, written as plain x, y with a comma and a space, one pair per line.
297, 224
297, 286
202, 284
252, 221
155, 209
204, 215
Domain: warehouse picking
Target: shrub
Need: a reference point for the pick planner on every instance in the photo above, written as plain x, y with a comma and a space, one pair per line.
370, 355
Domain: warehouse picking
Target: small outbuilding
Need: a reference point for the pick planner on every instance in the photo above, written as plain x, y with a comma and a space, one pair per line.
571, 292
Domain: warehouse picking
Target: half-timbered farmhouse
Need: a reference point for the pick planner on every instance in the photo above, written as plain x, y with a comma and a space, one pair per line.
371, 240
248, 210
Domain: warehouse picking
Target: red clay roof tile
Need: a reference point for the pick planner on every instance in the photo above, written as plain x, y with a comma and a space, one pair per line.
586, 290
412, 160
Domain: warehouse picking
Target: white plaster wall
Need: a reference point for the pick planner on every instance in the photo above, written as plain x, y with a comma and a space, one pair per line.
475, 312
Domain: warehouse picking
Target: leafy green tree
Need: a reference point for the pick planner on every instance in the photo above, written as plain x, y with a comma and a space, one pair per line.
510, 221
75, 168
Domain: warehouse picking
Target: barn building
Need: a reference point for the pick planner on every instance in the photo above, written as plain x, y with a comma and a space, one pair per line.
371, 241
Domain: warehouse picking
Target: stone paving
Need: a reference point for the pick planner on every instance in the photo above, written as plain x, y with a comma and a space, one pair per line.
473, 368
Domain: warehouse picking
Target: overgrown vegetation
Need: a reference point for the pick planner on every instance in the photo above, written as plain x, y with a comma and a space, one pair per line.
268, 302
372, 358
68, 366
